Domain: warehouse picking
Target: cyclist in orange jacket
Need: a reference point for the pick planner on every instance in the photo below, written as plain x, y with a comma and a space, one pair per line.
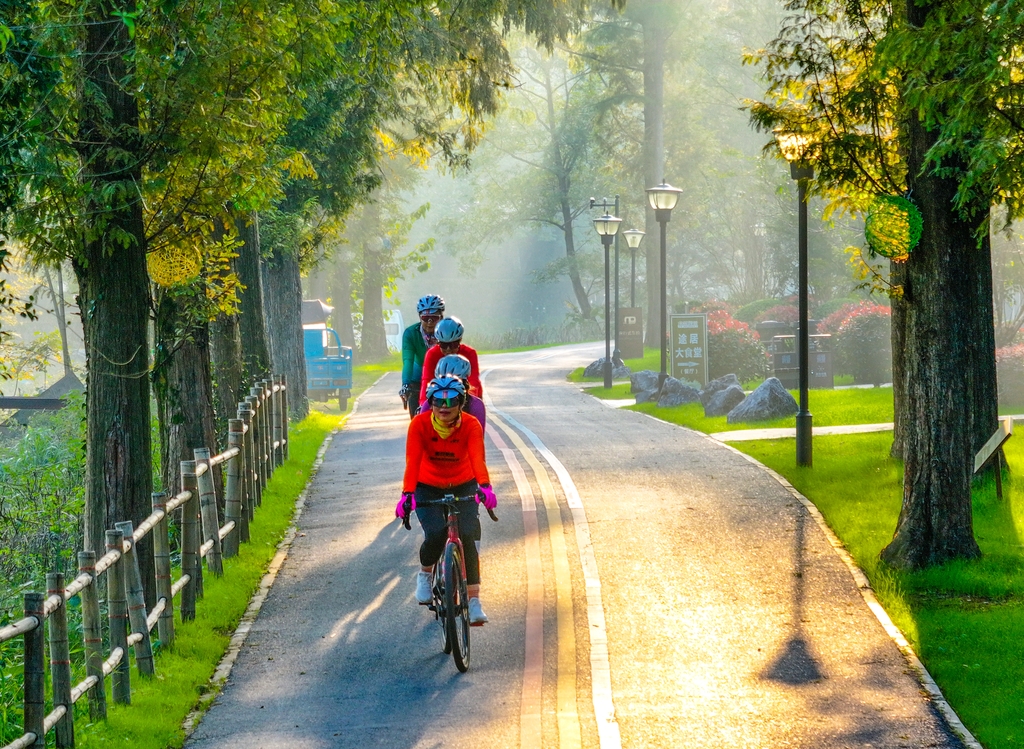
444, 454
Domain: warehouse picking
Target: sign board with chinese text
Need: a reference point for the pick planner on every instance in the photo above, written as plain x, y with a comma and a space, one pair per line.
631, 332
688, 348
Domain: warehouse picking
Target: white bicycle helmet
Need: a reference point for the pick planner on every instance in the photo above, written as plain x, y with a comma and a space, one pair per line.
430, 304
453, 365
446, 389
449, 330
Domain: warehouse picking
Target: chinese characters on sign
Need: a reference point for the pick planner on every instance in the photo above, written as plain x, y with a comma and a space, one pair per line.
631, 332
688, 339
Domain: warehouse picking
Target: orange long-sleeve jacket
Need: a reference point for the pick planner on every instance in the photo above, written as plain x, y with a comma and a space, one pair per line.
444, 463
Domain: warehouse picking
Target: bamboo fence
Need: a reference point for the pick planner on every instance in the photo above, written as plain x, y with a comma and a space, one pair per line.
257, 444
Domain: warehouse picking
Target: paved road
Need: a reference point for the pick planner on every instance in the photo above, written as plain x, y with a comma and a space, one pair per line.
647, 587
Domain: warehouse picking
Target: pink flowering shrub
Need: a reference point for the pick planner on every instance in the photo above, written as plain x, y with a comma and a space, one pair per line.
861, 341
733, 348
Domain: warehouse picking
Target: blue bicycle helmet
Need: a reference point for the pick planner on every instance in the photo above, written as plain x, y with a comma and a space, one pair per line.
453, 365
449, 390
430, 304
449, 330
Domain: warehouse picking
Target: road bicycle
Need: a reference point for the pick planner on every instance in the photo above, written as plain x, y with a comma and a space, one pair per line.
450, 602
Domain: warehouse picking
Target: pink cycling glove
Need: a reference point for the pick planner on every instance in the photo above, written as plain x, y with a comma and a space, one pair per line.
406, 505
485, 494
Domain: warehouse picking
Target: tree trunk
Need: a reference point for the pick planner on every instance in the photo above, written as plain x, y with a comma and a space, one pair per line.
564, 187
977, 264
374, 344
341, 299
184, 392
935, 523
252, 325
897, 276
282, 296
228, 367
114, 288
654, 161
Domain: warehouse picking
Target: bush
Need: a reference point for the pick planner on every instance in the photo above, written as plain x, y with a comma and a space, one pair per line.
825, 309
780, 313
751, 313
861, 342
733, 348
1010, 375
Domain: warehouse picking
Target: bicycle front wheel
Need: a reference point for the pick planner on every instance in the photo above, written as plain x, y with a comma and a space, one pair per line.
437, 588
456, 606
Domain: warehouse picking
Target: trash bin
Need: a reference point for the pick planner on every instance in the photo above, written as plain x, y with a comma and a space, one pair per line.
786, 361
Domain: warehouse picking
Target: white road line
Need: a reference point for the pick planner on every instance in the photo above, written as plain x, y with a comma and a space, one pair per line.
600, 667
532, 703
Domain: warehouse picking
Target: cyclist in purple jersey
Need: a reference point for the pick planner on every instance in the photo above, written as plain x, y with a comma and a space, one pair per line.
455, 365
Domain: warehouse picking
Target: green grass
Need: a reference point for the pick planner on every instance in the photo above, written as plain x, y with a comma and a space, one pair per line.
650, 360
965, 619
829, 407
615, 392
363, 376
159, 705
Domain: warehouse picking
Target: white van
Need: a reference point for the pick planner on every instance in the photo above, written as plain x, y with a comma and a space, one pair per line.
394, 327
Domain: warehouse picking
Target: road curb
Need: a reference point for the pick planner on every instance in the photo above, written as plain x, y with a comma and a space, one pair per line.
868, 594
223, 670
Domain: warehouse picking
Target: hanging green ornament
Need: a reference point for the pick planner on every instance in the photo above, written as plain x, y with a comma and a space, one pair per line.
893, 227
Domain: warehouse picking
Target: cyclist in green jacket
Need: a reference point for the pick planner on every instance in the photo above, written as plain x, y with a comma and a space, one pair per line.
416, 339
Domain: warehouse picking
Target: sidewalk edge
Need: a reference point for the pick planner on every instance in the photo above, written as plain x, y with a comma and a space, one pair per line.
223, 670
864, 586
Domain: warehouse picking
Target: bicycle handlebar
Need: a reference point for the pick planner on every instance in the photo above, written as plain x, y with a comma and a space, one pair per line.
448, 499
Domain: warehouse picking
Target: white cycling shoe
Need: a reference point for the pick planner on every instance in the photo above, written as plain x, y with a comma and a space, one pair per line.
423, 594
476, 612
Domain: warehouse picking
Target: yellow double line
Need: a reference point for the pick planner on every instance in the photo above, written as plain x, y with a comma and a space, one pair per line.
569, 734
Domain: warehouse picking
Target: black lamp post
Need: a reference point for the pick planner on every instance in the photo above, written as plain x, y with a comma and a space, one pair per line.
608, 227
633, 238
794, 148
663, 199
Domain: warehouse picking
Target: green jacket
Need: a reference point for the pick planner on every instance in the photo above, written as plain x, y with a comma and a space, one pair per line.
414, 348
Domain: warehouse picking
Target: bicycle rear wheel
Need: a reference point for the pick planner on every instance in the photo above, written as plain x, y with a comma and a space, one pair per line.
456, 606
437, 588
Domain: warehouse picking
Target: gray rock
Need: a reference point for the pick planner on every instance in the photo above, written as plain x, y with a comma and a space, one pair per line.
717, 386
770, 401
677, 393
724, 401
646, 379
647, 396
596, 369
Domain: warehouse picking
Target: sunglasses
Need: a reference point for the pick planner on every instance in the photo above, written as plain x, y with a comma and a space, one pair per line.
453, 402
453, 345
430, 318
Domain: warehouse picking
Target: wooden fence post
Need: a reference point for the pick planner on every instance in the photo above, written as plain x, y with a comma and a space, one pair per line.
137, 614
284, 410
248, 483
278, 419
92, 633
117, 615
190, 542
208, 511
60, 662
257, 442
266, 430
233, 489
268, 389
162, 564
35, 674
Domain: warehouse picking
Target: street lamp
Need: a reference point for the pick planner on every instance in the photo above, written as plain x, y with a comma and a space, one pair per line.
795, 148
608, 227
663, 198
633, 238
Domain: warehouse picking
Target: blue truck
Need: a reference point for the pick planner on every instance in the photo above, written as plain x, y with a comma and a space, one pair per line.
328, 363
